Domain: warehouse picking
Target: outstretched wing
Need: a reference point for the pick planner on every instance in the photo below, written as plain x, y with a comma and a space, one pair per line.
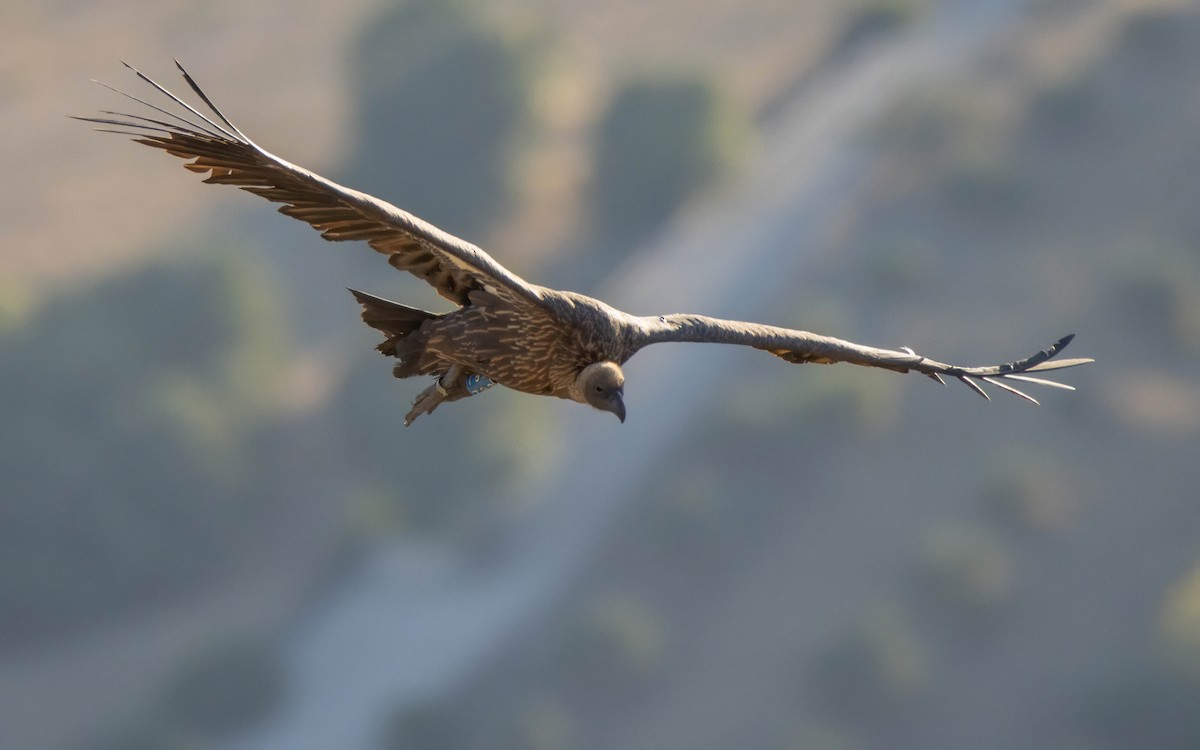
213, 145
801, 346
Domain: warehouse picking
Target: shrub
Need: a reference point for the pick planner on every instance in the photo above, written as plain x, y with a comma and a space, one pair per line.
875, 663
617, 642
443, 100
969, 568
874, 18
542, 725
229, 686
428, 726
659, 142
123, 452
1179, 624
1142, 707
1031, 490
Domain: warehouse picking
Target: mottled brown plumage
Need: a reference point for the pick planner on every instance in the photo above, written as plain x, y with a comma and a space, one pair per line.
504, 330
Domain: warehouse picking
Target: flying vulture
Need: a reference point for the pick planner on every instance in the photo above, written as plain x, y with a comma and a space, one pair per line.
504, 330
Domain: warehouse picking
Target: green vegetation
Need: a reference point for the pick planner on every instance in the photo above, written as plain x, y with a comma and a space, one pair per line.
660, 141
692, 515
1030, 490
225, 688
1065, 110
364, 417
1160, 283
445, 99
819, 738
969, 568
876, 662
1141, 706
124, 451
14, 305
1155, 34
141, 737
985, 185
217, 691
1179, 625
542, 725
616, 644
871, 19
431, 726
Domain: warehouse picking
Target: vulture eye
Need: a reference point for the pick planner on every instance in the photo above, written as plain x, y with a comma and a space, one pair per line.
599, 389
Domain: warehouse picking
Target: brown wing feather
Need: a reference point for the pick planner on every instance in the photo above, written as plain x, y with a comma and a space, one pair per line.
452, 266
802, 346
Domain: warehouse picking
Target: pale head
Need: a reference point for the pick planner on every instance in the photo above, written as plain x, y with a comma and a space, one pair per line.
602, 385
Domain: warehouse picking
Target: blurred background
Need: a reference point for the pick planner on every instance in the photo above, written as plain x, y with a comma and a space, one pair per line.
215, 532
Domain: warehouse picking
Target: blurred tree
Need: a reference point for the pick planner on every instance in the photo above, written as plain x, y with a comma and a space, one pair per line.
541, 725
820, 738
1064, 111
870, 19
874, 664
444, 99
121, 453
969, 568
1142, 707
386, 461
692, 515
1157, 32
1030, 487
615, 644
137, 737
1180, 624
226, 687
429, 726
1158, 284
659, 142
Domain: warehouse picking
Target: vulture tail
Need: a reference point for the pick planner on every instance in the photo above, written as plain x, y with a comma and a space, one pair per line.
402, 326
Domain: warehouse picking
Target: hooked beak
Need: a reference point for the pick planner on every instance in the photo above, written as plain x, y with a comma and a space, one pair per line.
616, 405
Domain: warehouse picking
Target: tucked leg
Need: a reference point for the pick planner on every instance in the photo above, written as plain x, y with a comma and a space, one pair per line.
449, 387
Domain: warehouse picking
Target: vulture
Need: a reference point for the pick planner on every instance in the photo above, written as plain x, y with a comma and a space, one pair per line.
504, 330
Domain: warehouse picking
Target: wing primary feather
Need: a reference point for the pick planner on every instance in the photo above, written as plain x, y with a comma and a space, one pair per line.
200, 93
1031, 362
191, 126
975, 387
1057, 364
118, 132
163, 125
1042, 381
121, 123
183, 104
1004, 386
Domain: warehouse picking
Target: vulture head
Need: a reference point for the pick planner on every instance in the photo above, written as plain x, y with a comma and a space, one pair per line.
602, 385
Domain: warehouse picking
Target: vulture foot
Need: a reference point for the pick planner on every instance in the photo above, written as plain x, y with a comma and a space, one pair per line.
449, 387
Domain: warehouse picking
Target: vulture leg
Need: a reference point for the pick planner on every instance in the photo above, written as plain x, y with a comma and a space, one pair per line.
449, 387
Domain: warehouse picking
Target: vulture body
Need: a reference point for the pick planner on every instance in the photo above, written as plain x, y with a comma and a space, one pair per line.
505, 330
